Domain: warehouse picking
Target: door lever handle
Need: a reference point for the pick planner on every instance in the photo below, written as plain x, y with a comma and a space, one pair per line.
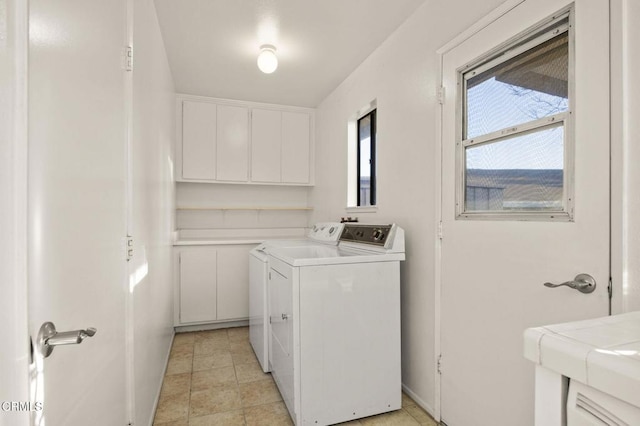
48, 337
584, 283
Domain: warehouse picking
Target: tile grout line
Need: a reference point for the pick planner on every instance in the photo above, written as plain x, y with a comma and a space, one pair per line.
193, 357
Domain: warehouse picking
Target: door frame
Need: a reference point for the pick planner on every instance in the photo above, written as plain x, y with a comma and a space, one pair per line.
14, 201
488, 19
616, 147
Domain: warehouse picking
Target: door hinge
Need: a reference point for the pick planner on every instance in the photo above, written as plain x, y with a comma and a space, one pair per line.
440, 364
610, 291
269, 275
440, 230
128, 58
440, 94
129, 247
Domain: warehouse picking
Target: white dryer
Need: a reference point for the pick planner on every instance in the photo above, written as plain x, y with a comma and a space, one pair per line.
322, 234
335, 325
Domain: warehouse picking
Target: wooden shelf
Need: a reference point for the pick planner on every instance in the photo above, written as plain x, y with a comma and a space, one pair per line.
245, 208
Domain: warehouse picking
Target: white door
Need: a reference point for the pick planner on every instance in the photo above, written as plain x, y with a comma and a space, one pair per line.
496, 255
77, 176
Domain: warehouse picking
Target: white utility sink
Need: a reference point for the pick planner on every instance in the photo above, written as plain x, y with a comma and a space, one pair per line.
587, 372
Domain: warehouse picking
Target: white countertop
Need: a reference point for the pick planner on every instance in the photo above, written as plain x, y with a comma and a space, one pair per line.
603, 353
218, 241
205, 237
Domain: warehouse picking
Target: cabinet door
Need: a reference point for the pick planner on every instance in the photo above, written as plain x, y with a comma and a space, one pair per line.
198, 140
232, 144
295, 147
266, 134
198, 285
233, 282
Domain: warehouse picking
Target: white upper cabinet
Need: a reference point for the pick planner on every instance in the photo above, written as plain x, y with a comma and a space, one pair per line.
295, 147
266, 136
233, 144
243, 142
198, 140
280, 143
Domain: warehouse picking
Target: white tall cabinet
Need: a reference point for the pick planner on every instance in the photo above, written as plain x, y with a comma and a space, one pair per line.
243, 142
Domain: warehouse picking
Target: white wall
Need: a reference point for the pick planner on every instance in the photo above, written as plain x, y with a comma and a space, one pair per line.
402, 76
152, 207
219, 195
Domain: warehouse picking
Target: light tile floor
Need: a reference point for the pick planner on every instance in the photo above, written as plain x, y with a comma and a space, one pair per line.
213, 378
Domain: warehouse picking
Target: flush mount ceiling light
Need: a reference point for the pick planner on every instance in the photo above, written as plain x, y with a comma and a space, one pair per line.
267, 59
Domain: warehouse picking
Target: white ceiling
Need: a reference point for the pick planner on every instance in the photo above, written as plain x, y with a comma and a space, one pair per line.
213, 45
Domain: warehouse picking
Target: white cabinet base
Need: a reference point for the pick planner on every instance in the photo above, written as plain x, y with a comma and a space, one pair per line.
211, 284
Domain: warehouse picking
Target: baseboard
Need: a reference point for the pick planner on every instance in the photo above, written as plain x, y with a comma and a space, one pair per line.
164, 373
426, 407
211, 326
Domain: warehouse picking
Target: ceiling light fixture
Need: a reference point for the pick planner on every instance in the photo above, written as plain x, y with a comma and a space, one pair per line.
267, 59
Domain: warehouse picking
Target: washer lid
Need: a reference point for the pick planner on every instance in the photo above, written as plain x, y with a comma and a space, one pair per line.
330, 255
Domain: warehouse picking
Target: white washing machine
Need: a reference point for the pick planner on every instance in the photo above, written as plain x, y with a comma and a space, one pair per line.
320, 234
334, 313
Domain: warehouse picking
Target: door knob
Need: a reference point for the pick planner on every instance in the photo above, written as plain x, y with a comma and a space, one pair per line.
48, 337
584, 283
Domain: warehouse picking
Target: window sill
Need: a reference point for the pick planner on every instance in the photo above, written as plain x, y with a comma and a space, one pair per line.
364, 209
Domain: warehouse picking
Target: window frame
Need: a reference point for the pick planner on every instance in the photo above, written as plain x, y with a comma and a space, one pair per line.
528, 39
372, 165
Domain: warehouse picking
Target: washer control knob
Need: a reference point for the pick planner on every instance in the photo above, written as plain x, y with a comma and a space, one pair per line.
332, 230
377, 235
